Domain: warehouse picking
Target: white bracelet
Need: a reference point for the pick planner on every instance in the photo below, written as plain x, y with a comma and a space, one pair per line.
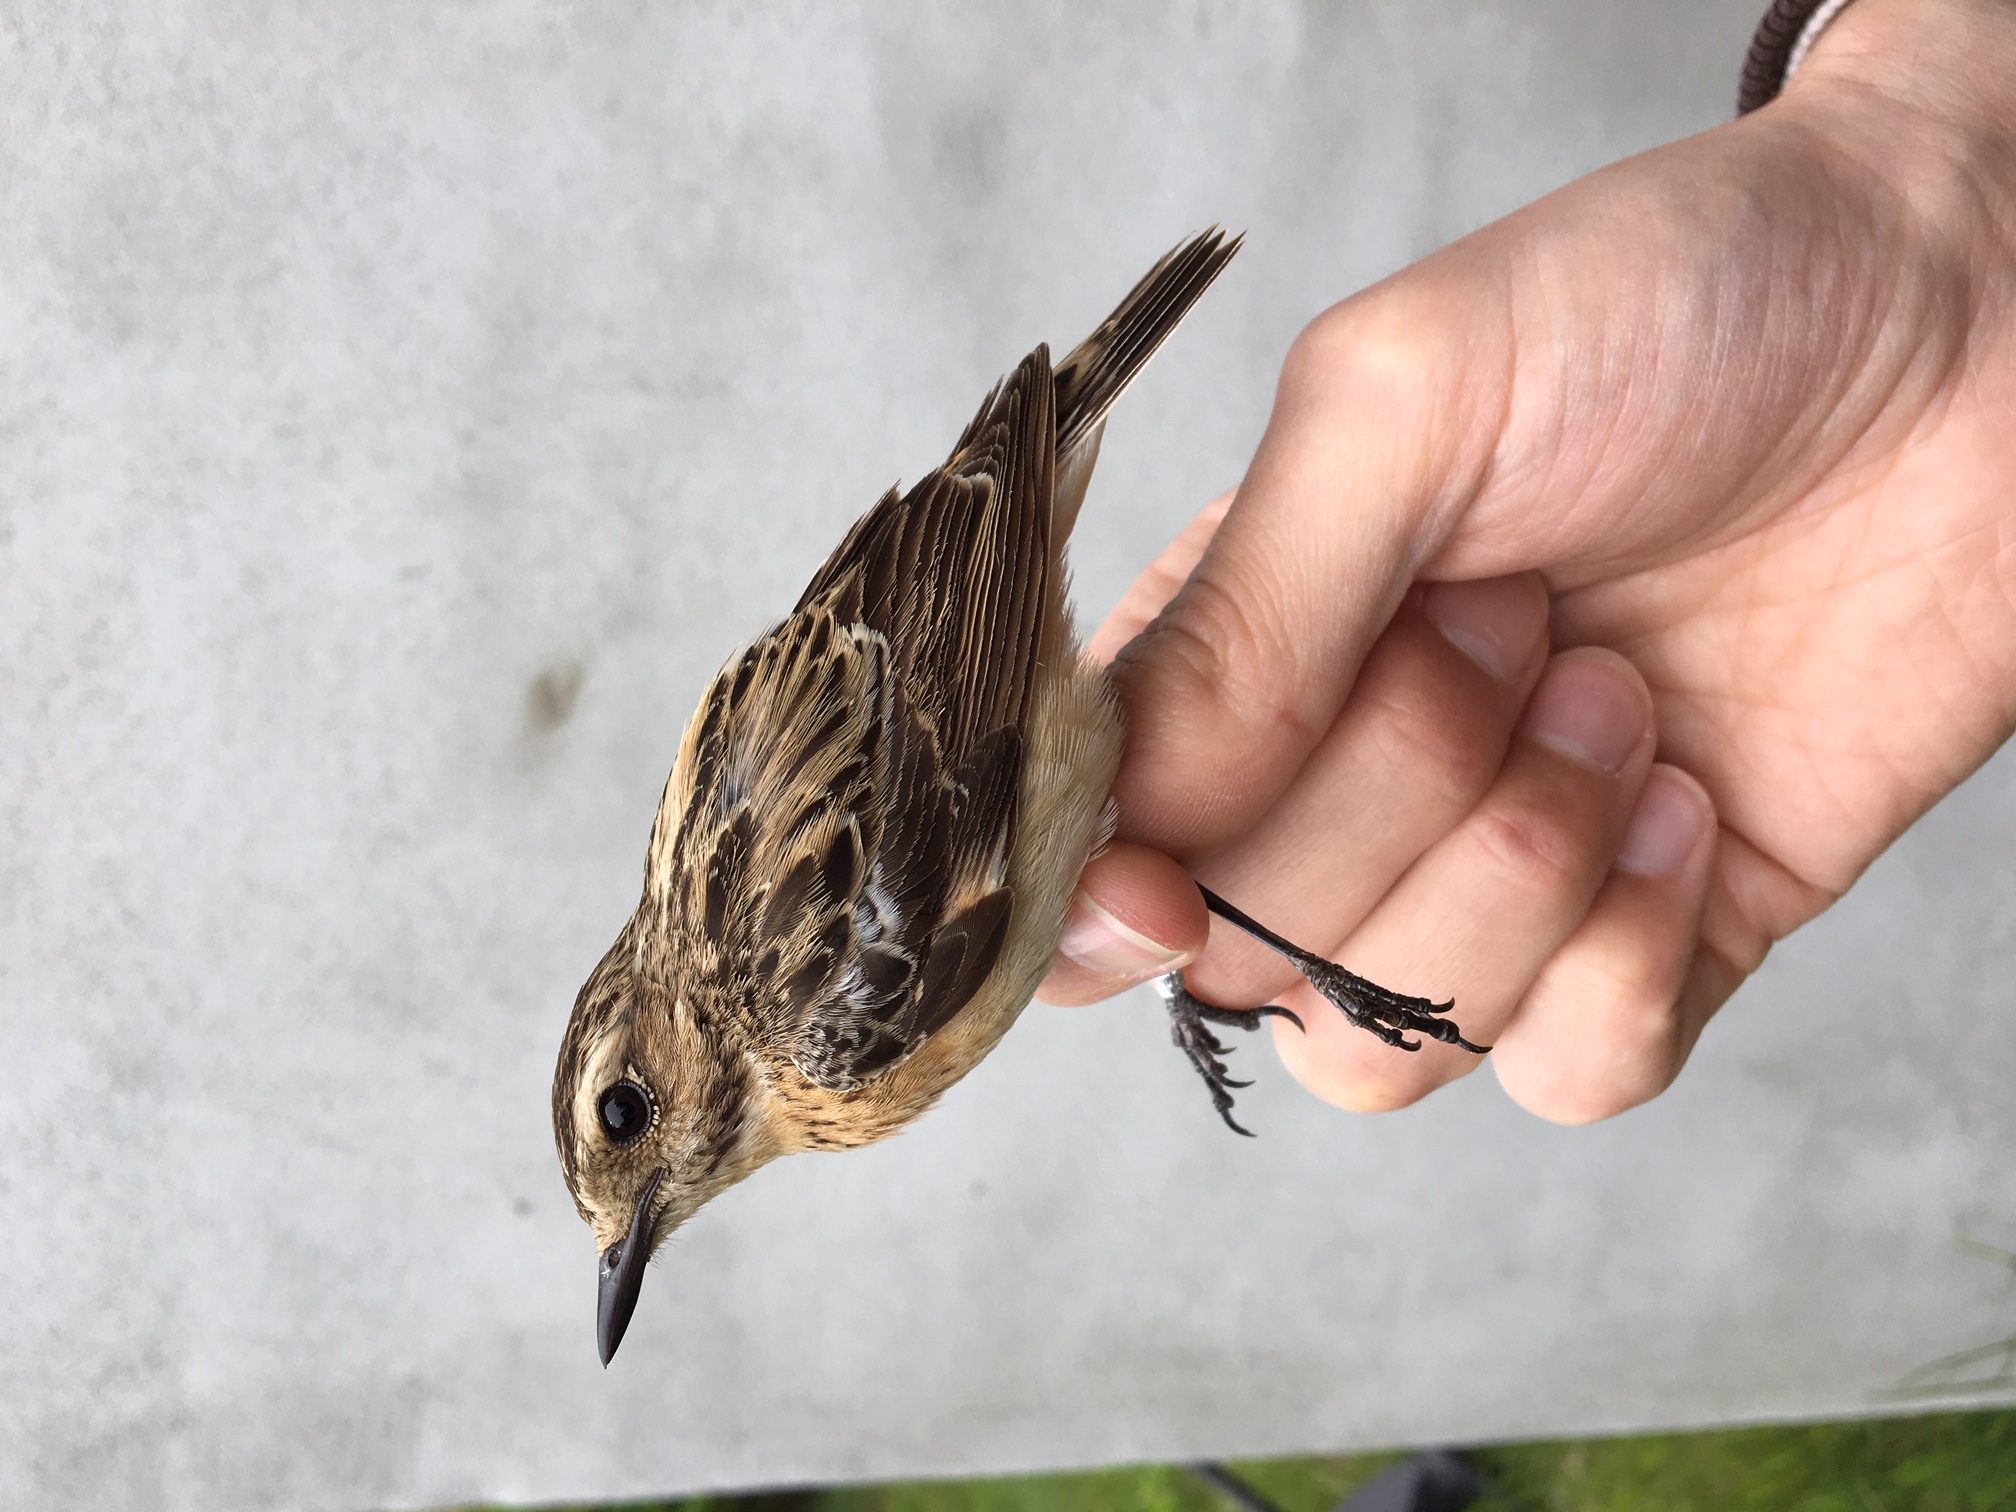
1817, 23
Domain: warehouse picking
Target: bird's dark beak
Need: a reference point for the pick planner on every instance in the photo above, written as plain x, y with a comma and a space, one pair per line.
623, 1273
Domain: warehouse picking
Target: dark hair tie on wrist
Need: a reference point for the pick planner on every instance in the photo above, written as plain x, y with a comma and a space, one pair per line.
1788, 29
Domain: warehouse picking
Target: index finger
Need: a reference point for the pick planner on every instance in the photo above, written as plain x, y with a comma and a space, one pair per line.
1376, 441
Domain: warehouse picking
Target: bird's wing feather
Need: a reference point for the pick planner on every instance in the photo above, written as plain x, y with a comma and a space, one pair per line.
844, 846
954, 573
835, 881
840, 862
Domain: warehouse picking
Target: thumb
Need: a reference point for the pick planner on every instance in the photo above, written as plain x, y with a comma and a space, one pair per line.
1375, 444
1135, 915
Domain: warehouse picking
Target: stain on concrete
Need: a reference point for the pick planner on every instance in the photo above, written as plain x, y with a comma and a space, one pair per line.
551, 696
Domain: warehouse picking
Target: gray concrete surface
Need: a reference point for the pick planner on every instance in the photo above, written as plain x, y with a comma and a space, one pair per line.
402, 410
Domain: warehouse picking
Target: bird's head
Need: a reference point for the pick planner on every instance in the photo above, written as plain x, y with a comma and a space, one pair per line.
655, 1111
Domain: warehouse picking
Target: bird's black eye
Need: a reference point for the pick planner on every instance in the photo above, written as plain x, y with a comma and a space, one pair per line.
625, 1112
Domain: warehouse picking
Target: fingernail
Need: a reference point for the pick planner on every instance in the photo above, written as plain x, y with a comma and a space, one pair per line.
1492, 623
1585, 710
1664, 829
1100, 943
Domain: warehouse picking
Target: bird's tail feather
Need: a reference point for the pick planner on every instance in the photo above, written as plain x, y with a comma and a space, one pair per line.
1099, 368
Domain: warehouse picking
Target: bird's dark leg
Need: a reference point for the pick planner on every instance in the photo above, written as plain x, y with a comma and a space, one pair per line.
1367, 1004
1187, 1017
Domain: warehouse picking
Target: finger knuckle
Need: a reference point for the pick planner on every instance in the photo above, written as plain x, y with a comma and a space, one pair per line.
1626, 1051
1536, 847
1237, 651
1433, 744
1383, 1080
1349, 1070
1381, 1091
1574, 1104
1372, 353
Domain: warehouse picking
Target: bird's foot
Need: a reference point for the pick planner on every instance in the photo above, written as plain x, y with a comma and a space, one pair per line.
1368, 1005
1188, 1015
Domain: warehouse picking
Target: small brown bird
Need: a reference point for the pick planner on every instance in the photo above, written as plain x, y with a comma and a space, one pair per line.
861, 864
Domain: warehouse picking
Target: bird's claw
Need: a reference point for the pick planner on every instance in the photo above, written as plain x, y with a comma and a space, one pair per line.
1367, 1004
1387, 1014
1188, 1016
1371, 1007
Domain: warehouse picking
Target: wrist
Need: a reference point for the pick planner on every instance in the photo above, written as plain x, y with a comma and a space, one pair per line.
1922, 93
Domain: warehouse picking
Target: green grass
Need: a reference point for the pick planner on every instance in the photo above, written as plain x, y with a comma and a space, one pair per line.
1944, 1462
1950, 1462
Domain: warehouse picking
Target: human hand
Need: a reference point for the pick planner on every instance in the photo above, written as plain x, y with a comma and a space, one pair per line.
1711, 453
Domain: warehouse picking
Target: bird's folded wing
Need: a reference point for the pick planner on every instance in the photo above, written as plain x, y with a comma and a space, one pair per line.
953, 574
832, 879
853, 774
